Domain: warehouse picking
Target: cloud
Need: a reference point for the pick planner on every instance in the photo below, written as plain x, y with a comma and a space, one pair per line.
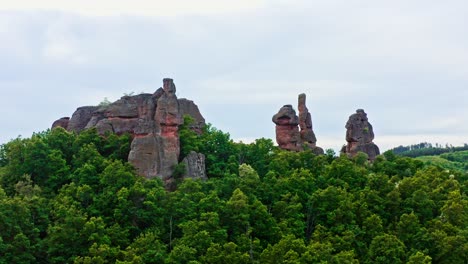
405, 63
135, 7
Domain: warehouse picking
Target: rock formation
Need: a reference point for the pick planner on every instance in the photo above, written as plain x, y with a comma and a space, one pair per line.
80, 118
195, 166
62, 122
287, 131
359, 135
305, 124
169, 118
153, 121
288, 135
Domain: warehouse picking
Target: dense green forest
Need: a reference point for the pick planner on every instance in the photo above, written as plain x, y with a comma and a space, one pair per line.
68, 198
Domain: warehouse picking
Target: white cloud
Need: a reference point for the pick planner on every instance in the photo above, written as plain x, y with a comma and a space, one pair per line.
135, 7
404, 62
61, 45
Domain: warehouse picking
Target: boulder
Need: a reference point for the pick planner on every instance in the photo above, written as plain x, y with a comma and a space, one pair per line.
81, 117
287, 130
359, 136
195, 166
62, 122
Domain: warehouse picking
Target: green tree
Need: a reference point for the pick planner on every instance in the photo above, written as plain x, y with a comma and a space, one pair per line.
386, 249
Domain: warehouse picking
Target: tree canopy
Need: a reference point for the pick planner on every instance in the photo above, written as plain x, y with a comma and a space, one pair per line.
74, 198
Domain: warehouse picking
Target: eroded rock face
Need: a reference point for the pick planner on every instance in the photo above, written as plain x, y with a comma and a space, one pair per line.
305, 124
195, 166
289, 135
62, 122
169, 117
188, 107
287, 131
81, 117
359, 135
153, 120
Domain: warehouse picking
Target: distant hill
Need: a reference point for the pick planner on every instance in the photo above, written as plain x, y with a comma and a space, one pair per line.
453, 161
448, 157
426, 149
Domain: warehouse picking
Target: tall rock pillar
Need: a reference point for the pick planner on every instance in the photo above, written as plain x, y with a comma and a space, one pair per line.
169, 118
291, 137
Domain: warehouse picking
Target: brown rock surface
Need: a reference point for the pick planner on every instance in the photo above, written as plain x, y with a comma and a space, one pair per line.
288, 135
62, 122
359, 135
287, 131
169, 118
81, 117
152, 120
188, 107
195, 166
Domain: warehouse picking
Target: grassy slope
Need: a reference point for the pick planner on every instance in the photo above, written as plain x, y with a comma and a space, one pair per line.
452, 161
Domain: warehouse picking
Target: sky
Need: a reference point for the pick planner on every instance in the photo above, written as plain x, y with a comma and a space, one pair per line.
404, 62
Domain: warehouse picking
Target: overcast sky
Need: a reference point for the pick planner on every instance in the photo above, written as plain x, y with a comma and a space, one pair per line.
404, 62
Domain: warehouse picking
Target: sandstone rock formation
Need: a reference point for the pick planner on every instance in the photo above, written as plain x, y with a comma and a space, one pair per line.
287, 131
169, 117
359, 135
80, 118
62, 122
187, 107
152, 120
288, 135
195, 166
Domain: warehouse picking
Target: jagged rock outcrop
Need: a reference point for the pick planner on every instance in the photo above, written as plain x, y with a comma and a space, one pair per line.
295, 132
359, 135
287, 132
153, 121
80, 118
187, 107
62, 122
195, 166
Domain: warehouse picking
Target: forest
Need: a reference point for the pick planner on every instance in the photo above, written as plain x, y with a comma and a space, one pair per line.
427, 149
74, 198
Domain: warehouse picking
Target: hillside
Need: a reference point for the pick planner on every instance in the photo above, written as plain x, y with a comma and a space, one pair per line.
457, 160
74, 198
448, 157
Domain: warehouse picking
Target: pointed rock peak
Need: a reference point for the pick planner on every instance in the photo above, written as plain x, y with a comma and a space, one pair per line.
302, 99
